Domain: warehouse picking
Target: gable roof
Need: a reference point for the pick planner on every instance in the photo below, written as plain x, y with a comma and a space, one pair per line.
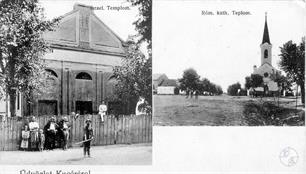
266, 67
169, 82
157, 76
82, 30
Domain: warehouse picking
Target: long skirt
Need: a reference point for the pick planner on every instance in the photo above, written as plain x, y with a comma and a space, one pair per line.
24, 143
33, 140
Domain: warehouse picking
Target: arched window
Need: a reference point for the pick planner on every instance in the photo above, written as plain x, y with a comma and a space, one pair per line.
51, 72
83, 76
266, 54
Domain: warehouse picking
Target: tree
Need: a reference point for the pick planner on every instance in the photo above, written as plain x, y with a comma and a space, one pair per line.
207, 86
281, 80
190, 80
254, 81
219, 90
22, 46
144, 23
293, 63
248, 82
134, 78
233, 89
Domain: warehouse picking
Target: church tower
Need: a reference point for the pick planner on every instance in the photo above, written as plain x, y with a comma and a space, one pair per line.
266, 46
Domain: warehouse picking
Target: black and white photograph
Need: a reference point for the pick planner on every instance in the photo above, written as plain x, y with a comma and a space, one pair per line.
152, 86
233, 64
75, 82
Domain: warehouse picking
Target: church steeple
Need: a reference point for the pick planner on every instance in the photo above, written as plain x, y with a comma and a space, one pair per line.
266, 37
266, 46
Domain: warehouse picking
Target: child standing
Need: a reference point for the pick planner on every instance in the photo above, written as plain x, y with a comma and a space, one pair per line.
88, 135
25, 135
41, 140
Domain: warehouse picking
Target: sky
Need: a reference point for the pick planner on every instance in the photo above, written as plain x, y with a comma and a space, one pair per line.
223, 49
121, 22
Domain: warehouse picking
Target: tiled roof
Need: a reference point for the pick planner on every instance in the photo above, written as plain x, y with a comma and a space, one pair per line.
169, 82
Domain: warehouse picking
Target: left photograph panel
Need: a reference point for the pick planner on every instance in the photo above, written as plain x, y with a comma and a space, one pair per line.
75, 82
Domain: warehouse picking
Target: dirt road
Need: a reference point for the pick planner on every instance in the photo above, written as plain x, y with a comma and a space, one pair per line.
135, 154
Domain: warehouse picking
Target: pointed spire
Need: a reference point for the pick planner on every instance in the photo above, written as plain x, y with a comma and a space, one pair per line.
266, 37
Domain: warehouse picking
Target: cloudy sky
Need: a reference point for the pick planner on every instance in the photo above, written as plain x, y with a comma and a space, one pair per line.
121, 22
220, 48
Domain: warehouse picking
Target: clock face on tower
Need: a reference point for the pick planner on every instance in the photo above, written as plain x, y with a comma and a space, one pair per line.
266, 54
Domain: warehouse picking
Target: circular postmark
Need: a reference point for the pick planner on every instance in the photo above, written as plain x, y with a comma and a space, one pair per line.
288, 156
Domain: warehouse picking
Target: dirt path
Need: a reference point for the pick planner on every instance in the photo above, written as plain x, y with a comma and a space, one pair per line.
136, 154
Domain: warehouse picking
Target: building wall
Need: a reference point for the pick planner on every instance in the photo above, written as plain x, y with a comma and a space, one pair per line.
158, 81
266, 68
65, 90
165, 90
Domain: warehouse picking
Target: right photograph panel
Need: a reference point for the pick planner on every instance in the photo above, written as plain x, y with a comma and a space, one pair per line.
228, 64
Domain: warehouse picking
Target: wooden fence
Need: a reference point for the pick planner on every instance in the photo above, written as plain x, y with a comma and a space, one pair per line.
124, 129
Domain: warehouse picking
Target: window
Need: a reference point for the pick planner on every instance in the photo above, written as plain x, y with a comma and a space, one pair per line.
83, 76
266, 54
266, 74
51, 72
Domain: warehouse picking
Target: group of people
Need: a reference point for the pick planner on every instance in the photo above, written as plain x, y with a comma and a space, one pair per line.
192, 93
35, 138
56, 133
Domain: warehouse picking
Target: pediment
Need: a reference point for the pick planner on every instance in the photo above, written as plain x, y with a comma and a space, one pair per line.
265, 68
101, 36
82, 29
66, 32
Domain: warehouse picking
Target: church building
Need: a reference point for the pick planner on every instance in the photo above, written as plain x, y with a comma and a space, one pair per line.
266, 69
85, 51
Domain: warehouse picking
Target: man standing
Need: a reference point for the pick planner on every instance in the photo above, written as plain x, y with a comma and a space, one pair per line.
102, 110
51, 129
88, 136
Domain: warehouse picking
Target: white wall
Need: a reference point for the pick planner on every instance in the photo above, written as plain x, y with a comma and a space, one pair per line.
165, 90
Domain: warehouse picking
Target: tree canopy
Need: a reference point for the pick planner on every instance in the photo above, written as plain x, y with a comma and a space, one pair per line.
233, 89
293, 63
134, 78
144, 23
22, 46
255, 80
190, 80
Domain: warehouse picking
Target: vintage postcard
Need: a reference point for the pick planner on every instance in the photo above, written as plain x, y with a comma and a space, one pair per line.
75, 83
237, 64
228, 86
152, 86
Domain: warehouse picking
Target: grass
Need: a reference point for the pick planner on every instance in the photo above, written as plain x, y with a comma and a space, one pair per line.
268, 113
176, 110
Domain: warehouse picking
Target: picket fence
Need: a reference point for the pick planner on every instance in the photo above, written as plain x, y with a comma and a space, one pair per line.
123, 129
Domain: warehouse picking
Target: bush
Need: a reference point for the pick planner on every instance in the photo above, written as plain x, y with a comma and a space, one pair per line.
267, 113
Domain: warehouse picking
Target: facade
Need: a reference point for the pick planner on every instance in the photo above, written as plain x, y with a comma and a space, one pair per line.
168, 86
158, 80
85, 51
266, 69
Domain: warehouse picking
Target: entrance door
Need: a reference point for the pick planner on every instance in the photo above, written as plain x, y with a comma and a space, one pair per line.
84, 107
47, 107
